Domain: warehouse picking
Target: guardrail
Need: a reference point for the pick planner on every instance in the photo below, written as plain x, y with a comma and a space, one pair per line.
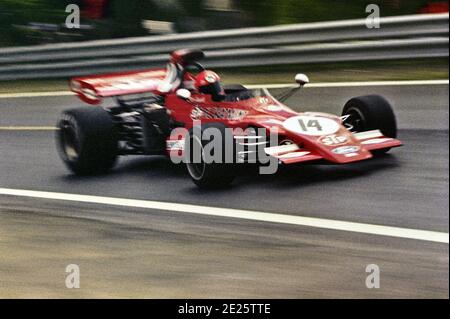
404, 37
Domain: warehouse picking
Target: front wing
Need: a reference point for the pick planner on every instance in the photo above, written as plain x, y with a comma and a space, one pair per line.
370, 140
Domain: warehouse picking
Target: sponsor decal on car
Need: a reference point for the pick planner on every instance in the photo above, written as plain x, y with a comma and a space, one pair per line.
333, 140
343, 150
117, 82
217, 113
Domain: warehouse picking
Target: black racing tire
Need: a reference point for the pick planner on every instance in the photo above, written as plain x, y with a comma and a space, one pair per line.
87, 141
214, 175
371, 112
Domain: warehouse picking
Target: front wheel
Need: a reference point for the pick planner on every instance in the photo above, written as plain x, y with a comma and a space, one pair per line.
87, 140
207, 170
371, 112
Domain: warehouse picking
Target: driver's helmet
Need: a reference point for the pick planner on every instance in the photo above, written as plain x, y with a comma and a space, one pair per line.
208, 82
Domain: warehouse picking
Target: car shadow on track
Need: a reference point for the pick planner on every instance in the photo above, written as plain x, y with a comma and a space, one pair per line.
160, 170
302, 175
298, 176
155, 167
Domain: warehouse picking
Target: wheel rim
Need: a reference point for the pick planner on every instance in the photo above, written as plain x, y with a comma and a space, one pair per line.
69, 141
197, 170
355, 121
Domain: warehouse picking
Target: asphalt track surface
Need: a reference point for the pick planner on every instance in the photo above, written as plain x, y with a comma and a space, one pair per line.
136, 252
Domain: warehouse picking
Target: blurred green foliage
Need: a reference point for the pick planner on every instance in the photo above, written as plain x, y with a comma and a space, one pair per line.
23, 11
124, 17
271, 12
16, 13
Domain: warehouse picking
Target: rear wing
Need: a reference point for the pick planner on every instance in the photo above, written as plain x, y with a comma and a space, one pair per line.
92, 89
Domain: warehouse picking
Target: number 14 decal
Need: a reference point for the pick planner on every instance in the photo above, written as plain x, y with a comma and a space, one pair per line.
310, 124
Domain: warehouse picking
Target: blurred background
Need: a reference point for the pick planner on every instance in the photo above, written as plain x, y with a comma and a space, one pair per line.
36, 43
28, 22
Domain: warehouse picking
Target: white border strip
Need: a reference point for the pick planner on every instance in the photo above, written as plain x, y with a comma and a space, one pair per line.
35, 94
370, 229
28, 128
256, 86
352, 84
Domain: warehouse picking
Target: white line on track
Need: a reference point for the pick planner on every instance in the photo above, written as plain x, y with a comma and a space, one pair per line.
353, 84
371, 229
35, 94
268, 86
28, 128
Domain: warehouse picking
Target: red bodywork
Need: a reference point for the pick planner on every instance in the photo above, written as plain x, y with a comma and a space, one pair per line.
94, 9
333, 142
435, 7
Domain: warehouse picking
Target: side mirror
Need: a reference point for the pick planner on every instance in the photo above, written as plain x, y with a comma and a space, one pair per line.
184, 94
301, 79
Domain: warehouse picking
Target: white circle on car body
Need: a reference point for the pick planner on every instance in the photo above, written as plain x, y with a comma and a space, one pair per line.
311, 125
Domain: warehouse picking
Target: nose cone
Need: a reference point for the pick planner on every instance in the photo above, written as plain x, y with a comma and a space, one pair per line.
327, 137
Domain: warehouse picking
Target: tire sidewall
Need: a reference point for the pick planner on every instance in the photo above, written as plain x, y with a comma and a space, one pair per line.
214, 175
376, 112
70, 119
96, 138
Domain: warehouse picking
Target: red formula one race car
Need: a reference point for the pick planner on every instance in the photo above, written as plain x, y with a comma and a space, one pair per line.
185, 113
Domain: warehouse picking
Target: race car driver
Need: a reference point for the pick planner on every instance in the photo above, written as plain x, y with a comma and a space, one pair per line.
208, 82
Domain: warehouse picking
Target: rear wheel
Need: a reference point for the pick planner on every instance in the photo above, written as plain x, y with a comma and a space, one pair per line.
87, 140
209, 173
371, 112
